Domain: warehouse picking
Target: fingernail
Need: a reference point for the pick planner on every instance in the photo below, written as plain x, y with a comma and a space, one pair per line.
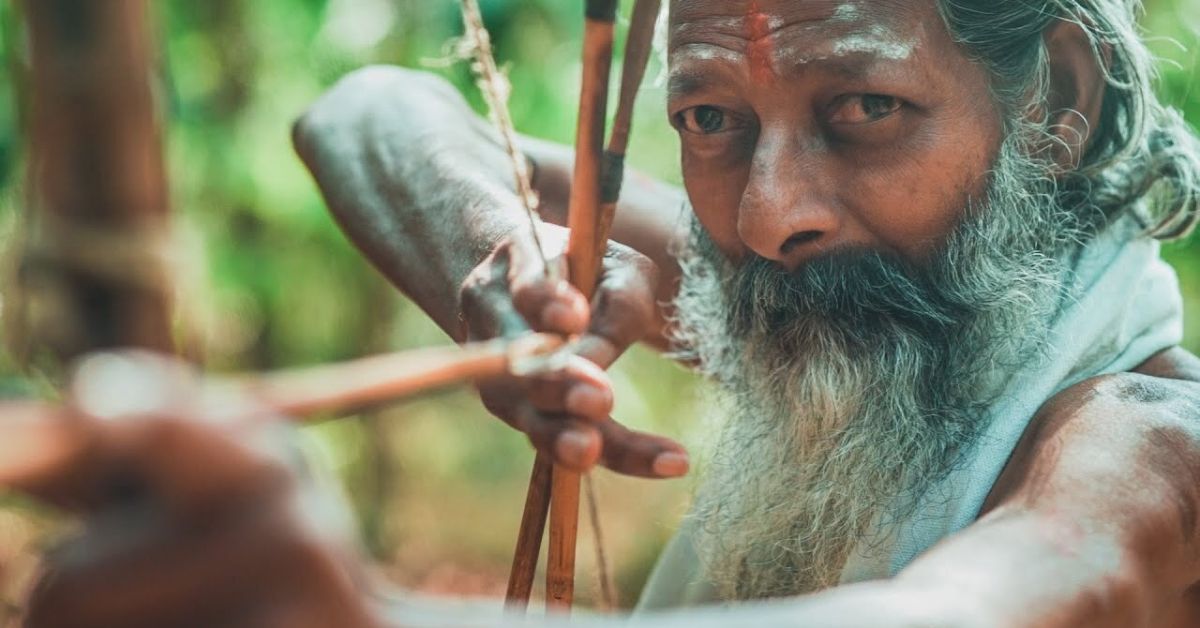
572, 447
670, 465
583, 399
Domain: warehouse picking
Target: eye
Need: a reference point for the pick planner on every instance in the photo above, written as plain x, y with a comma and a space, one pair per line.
863, 108
702, 120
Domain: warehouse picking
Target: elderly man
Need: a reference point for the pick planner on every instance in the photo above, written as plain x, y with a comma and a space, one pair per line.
920, 263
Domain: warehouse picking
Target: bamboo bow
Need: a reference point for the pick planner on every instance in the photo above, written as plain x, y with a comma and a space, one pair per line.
595, 188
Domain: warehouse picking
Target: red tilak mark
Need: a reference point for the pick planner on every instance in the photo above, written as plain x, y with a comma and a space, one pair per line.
758, 53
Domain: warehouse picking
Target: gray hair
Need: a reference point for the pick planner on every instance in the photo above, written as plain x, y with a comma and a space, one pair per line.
1143, 157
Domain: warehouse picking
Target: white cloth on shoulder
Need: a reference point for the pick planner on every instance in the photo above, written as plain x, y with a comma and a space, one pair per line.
1125, 308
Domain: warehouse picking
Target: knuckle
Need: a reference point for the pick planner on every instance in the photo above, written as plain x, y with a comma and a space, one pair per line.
530, 295
633, 306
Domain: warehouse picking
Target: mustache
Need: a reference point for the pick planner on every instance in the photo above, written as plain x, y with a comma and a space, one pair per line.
868, 290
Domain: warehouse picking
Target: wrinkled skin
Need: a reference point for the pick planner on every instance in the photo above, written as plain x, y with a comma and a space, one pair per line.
792, 149
1093, 521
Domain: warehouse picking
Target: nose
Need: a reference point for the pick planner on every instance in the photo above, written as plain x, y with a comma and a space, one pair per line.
787, 212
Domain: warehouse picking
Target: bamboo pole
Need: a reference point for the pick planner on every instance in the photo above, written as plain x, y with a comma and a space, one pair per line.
583, 262
529, 537
639, 44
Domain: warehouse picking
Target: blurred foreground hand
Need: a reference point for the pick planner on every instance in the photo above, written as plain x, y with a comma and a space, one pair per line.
193, 514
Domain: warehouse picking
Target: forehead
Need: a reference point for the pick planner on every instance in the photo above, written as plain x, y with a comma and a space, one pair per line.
685, 14
771, 33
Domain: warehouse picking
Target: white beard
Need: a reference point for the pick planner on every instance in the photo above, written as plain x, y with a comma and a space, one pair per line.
852, 384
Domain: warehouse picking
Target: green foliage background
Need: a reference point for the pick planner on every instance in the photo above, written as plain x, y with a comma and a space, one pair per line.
269, 280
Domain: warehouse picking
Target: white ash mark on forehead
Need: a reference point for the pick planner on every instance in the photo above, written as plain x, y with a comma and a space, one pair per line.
878, 40
727, 24
797, 55
703, 52
846, 12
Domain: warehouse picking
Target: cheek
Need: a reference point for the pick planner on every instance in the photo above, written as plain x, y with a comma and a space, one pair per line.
912, 204
715, 190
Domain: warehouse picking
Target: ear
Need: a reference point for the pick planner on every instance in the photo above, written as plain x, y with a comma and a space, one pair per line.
1077, 89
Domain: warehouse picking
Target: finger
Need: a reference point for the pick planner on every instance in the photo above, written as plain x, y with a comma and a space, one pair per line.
598, 349
570, 442
548, 302
623, 309
641, 454
128, 429
550, 305
39, 445
581, 389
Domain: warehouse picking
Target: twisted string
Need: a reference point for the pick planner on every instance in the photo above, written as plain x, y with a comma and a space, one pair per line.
496, 89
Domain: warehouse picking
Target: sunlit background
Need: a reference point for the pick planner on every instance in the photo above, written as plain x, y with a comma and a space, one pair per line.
267, 280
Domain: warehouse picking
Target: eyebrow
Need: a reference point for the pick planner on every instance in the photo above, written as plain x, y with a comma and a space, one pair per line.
681, 84
849, 66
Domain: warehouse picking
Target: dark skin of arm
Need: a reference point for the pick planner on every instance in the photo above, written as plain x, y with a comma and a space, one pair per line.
424, 188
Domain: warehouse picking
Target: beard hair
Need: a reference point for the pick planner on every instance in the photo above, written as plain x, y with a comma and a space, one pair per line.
853, 384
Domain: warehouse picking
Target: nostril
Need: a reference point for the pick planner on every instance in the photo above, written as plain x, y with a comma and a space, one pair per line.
799, 239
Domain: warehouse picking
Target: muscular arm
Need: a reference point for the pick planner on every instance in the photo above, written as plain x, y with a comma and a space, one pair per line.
1093, 522
423, 186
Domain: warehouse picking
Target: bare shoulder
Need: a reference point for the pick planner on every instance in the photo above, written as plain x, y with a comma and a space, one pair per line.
1118, 455
1127, 424
1162, 393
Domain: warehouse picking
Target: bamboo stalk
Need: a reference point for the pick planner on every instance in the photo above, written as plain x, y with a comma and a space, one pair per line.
584, 264
639, 44
595, 189
529, 539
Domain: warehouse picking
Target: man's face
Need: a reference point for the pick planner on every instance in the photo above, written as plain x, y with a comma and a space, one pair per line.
871, 257
812, 126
